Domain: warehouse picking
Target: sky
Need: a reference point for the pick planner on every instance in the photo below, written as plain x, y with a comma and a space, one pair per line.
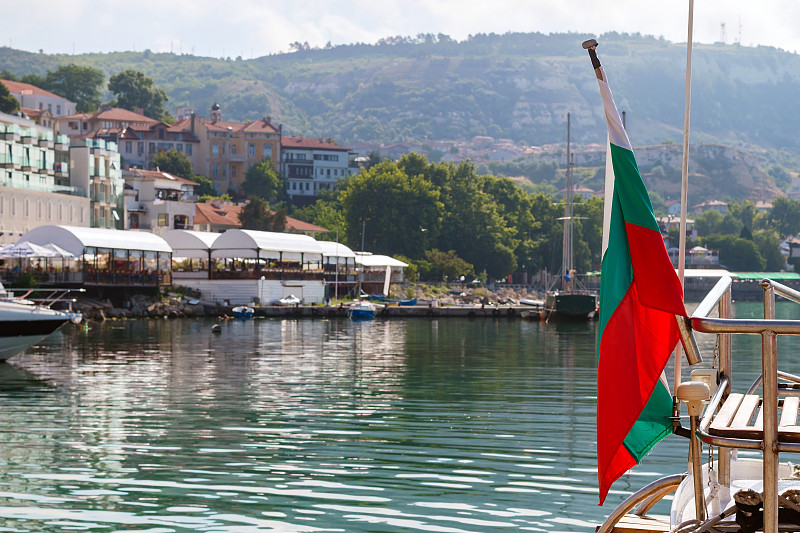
253, 28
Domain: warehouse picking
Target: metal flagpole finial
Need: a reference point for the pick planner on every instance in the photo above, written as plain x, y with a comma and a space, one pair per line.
590, 46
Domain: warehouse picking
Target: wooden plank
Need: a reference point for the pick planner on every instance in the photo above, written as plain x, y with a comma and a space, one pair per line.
741, 421
727, 411
638, 524
789, 413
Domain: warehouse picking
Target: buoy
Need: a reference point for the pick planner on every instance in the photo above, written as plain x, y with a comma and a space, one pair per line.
216, 328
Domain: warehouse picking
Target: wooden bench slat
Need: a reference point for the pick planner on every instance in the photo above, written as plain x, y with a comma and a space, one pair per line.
745, 413
789, 413
647, 524
727, 411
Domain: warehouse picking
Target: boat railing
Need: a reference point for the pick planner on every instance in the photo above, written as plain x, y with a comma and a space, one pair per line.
764, 435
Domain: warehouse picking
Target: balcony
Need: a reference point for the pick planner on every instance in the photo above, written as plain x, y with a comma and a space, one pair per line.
61, 169
9, 161
28, 136
44, 168
27, 165
9, 132
46, 140
62, 143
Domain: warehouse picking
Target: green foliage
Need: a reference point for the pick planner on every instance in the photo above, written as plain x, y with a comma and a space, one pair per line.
446, 266
709, 223
8, 104
256, 215
209, 197
135, 90
397, 212
768, 246
785, 216
79, 84
205, 188
263, 181
736, 253
173, 162
326, 213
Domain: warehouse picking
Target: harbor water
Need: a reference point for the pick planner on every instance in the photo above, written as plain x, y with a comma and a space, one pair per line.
449, 425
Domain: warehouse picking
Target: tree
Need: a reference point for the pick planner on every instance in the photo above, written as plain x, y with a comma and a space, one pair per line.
135, 90
401, 214
447, 265
8, 104
178, 164
173, 162
263, 181
256, 215
736, 253
785, 216
709, 223
769, 248
79, 84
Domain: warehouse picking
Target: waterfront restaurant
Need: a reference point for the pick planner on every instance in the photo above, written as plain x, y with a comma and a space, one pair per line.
105, 257
377, 272
246, 266
339, 268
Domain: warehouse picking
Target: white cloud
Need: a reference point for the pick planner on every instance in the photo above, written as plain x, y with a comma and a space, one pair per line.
218, 27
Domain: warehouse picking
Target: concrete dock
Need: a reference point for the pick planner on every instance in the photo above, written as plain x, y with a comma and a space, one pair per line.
391, 311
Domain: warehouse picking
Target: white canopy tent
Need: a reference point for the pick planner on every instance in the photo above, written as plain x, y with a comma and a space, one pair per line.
378, 261
250, 244
188, 243
26, 249
76, 239
335, 252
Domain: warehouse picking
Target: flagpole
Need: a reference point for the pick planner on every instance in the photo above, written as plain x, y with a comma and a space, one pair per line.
684, 177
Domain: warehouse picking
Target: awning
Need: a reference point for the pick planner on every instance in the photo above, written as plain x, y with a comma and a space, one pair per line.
188, 243
379, 261
75, 239
336, 252
250, 244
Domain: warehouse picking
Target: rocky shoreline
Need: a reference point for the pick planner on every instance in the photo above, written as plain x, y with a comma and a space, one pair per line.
178, 306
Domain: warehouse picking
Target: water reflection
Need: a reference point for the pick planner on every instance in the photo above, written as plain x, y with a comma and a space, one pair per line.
307, 425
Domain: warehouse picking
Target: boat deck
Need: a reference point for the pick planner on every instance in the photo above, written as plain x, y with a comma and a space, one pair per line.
638, 524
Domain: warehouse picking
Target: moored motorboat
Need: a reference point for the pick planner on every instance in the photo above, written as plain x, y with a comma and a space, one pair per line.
25, 324
243, 311
361, 310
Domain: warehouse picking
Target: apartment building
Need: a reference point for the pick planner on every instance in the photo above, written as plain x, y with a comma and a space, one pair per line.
313, 165
95, 168
34, 99
37, 185
158, 201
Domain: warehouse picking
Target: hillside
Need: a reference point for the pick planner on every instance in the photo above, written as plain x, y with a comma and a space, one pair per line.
517, 86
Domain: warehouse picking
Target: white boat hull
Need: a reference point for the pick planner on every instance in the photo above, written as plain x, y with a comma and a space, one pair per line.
23, 325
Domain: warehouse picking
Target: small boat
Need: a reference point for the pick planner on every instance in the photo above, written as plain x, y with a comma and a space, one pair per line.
289, 300
411, 302
243, 311
361, 310
23, 323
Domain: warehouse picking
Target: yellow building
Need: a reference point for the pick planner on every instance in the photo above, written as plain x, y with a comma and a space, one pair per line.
233, 147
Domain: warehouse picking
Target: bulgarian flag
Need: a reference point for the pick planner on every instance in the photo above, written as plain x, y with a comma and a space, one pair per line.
640, 294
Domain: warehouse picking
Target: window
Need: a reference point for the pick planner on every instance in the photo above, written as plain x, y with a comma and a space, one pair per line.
329, 172
85, 125
58, 109
233, 172
267, 151
152, 147
128, 146
215, 170
141, 148
161, 133
162, 219
50, 108
180, 147
188, 149
215, 148
252, 150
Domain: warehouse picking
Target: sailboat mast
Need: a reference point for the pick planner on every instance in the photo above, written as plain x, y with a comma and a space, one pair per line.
566, 256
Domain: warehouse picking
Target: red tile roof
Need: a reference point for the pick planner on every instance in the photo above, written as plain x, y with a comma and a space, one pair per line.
157, 174
115, 113
228, 214
18, 86
300, 142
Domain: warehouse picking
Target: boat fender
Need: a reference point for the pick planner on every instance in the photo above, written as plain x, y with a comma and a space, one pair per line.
512, 311
216, 328
495, 312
